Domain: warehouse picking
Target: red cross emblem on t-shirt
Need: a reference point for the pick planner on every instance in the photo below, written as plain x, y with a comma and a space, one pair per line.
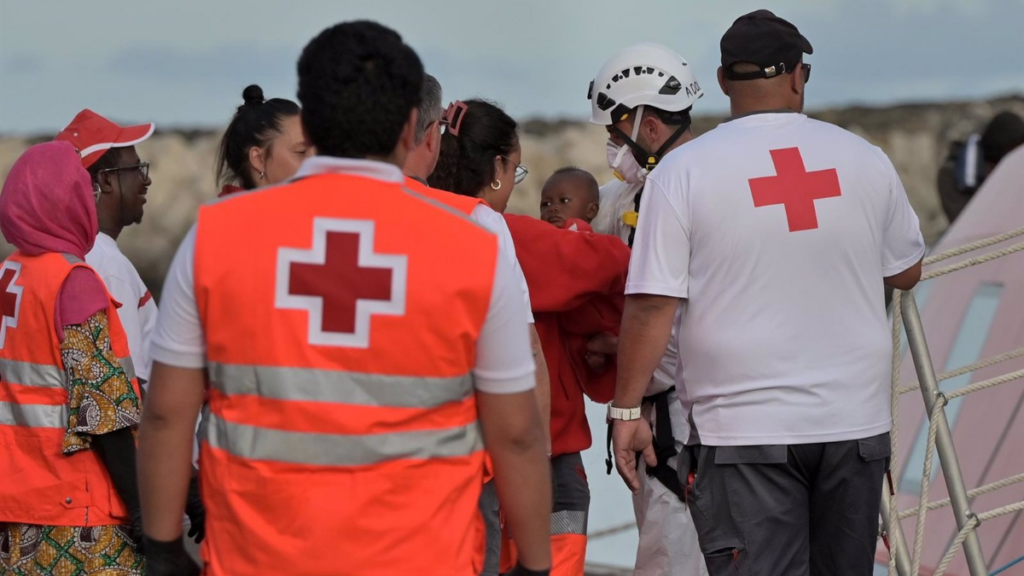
341, 282
10, 298
795, 188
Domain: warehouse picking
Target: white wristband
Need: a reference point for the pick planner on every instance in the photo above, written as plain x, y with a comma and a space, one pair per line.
623, 413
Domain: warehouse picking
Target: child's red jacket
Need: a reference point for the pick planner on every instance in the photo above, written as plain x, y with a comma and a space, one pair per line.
576, 280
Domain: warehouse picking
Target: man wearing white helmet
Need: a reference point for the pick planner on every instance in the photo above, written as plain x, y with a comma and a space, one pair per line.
643, 96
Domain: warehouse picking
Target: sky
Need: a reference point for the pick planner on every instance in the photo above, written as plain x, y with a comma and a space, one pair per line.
183, 64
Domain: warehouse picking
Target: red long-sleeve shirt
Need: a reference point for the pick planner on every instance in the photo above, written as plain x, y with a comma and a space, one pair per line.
576, 280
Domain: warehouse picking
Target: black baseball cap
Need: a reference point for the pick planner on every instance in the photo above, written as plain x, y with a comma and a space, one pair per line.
763, 39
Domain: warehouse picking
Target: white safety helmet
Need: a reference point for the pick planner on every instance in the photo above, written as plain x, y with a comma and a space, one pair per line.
645, 74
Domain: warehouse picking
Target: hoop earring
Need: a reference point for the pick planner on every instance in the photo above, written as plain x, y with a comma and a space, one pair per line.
498, 187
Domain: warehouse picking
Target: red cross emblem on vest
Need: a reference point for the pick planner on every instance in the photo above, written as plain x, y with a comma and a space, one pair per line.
341, 282
10, 298
795, 188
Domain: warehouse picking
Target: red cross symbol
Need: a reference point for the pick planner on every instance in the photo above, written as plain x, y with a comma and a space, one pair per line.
10, 298
341, 282
795, 188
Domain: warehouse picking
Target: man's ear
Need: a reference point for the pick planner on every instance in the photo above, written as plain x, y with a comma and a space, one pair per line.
104, 183
721, 81
407, 141
433, 138
796, 81
651, 127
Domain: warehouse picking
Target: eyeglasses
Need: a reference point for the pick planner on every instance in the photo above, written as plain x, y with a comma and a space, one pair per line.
142, 167
521, 171
807, 72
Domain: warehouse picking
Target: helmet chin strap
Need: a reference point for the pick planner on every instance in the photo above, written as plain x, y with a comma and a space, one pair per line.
648, 160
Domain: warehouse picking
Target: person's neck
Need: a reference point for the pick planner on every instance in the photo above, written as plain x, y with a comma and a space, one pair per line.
743, 108
111, 231
414, 173
683, 139
391, 159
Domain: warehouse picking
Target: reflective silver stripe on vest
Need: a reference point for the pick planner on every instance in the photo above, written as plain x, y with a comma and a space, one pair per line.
312, 385
128, 366
569, 522
71, 258
257, 443
33, 415
30, 374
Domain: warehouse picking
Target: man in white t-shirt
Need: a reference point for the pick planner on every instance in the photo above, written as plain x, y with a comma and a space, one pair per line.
643, 96
419, 165
777, 232
120, 180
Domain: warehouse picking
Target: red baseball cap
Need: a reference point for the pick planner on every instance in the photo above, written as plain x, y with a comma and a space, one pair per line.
92, 135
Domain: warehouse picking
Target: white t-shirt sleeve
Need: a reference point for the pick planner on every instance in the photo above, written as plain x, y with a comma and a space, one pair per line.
128, 314
504, 357
902, 242
660, 260
178, 338
495, 224
148, 314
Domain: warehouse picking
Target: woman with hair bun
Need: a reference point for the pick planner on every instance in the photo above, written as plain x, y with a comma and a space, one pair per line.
262, 145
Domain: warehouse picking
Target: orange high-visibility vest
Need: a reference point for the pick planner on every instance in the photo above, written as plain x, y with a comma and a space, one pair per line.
41, 485
464, 204
341, 315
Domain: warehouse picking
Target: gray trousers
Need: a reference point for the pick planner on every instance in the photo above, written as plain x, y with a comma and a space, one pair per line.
799, 510
492, 523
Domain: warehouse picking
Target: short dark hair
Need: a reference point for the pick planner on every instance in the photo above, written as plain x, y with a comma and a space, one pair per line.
429, 107
593, 188
466, 162
109, 160
358, 82
255, 123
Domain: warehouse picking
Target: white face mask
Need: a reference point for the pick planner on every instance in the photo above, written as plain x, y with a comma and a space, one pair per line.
621, 160
624, 164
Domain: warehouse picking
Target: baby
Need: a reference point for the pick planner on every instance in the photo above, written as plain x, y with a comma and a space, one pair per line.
569, 193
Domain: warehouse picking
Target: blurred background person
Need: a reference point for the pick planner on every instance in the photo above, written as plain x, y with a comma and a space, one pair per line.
970, 161
263, 145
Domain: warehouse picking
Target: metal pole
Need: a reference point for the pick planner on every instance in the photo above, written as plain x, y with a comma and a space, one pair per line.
943, 439
897, 543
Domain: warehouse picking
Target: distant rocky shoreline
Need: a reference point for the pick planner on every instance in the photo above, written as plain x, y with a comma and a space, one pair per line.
915, 136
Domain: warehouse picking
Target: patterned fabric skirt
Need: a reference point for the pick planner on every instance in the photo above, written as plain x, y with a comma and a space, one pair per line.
30, 550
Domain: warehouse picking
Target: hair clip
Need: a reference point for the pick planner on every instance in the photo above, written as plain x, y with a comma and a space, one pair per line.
453, 116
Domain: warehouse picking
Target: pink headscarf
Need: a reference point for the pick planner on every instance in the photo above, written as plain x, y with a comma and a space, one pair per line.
47, 203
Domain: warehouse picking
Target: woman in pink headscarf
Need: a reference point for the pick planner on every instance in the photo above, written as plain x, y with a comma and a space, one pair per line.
68, 406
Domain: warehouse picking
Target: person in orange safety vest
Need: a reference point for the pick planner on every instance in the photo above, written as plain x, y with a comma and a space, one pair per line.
69, 398
359, 336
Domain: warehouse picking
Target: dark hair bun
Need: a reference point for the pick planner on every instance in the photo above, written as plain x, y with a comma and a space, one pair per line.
253, 95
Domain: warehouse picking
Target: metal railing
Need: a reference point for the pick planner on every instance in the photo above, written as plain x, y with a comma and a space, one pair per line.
939, 439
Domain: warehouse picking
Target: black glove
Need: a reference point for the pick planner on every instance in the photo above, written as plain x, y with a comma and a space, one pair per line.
136, 531
195, 511
520, 571
169, 559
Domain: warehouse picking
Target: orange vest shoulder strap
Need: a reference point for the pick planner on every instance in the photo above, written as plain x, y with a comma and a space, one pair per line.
463, 204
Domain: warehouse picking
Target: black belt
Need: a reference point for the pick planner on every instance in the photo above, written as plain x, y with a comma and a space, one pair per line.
664, 445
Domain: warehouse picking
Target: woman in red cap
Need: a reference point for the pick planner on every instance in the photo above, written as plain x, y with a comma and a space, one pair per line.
69, 400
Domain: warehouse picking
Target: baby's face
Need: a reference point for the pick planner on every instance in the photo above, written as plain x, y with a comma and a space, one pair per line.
564, 198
